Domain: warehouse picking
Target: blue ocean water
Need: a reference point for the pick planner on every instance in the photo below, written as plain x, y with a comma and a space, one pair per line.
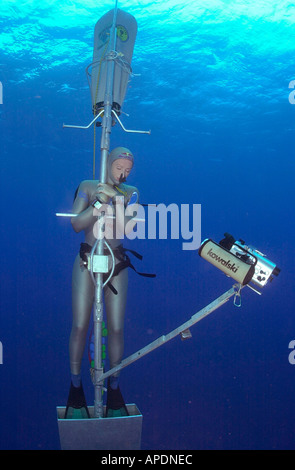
212, 84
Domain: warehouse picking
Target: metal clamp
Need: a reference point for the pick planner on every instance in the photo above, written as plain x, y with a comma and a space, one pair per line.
116, 116
237, 295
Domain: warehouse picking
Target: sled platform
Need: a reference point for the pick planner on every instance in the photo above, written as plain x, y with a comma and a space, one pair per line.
120, 433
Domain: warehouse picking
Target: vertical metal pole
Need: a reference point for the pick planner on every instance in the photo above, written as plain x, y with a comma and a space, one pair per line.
98, 303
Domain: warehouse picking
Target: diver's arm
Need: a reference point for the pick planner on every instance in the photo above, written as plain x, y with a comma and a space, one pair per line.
83, 220
81, 206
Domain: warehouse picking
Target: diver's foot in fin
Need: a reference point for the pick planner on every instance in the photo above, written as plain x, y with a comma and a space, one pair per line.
117, 413
77, 413
115, 403
76, 405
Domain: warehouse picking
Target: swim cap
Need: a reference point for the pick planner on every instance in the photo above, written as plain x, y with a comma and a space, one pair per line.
118, 152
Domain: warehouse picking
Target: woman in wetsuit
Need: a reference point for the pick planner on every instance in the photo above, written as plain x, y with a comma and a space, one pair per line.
120, 163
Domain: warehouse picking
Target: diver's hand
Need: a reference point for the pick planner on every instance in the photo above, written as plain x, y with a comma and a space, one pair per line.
104, 192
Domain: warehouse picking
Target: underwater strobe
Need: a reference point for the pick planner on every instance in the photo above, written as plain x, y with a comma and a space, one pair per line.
239, 261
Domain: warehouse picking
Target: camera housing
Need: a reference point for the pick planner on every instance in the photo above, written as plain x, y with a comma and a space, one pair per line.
264, 268
239, 261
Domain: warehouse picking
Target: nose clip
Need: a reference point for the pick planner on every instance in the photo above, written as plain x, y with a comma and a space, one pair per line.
122, 178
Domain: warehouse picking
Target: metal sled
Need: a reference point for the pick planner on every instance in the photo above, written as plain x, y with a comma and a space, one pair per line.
123, 433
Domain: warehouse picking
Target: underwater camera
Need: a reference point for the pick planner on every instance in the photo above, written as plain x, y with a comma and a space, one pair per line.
239, 261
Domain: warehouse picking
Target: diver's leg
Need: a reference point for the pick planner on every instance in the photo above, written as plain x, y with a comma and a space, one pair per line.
82, 301
115, 312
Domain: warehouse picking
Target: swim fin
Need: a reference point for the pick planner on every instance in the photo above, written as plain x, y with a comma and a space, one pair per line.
115, 406
76, 404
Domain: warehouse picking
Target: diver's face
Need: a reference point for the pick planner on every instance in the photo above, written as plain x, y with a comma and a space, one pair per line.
121, 168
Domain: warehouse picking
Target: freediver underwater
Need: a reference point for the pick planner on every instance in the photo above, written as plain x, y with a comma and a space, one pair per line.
108, 76
89, 196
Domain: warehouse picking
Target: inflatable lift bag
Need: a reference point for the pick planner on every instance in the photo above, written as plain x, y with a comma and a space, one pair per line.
228, 263
125, 39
